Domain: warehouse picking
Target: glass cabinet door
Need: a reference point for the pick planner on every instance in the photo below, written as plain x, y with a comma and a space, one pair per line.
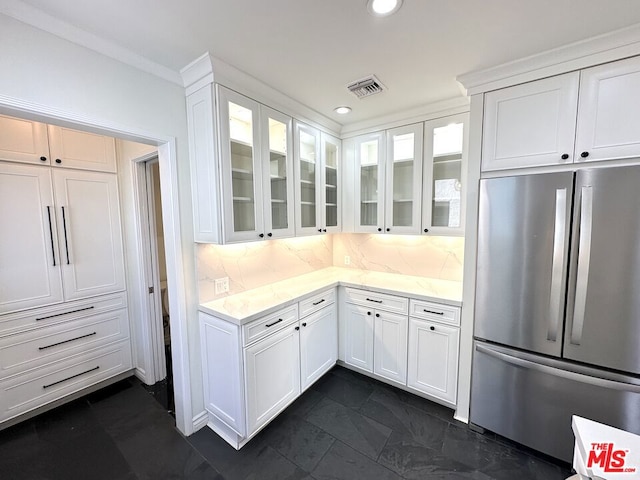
308, 176
331, 186
445, 153
242, 186
404, 179
277, 166
369, 151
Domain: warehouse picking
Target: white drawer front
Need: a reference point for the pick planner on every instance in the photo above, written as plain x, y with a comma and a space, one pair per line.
22, 393
380, 301
269, 324
318, 301
41, 317
37, 347
435, 312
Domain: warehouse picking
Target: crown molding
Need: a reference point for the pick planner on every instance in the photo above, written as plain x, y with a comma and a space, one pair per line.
574, 56
29, 15
423, 113
208, 69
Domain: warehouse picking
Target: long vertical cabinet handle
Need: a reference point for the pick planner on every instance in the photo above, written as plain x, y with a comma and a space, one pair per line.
584, 257
559, 236
53, 250
66, 242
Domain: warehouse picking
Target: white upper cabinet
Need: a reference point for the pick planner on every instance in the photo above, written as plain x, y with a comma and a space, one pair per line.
331, 150
608, 113
88, 217
23, 141
532, 124
403, 180
83, 150
389, 181
308, 173
257, 169
369, 182
445, 151
30, 263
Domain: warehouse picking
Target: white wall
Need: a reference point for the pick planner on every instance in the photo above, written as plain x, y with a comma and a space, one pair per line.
43, 73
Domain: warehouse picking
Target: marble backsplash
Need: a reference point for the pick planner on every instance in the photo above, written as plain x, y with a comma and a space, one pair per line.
252, 265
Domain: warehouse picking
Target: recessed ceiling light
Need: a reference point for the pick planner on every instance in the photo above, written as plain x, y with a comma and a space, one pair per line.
342, 110
382, 8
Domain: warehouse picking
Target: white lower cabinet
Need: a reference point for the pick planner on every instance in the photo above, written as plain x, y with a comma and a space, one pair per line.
272, 369
252, 372
433, 359
358, 337
390, 346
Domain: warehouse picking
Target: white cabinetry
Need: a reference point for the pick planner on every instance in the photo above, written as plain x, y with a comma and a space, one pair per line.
375, 333
23, 141
83, 150
388, 180
434, 337
257, 170
579, 116
445, 150
252, 372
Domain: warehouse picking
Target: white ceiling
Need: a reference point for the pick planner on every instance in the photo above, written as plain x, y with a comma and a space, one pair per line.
311, 49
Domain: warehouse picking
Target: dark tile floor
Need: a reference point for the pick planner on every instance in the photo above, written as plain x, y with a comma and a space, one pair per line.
345, 427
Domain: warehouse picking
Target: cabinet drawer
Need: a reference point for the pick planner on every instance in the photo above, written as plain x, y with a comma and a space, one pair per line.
315, 303
22, 393
380, 301
65, 312
435, 312
37, 347
269, 324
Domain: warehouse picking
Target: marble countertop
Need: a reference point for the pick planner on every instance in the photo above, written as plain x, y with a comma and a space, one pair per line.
247, 306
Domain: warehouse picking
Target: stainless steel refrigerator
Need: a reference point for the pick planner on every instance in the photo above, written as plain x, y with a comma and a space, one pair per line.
557, 320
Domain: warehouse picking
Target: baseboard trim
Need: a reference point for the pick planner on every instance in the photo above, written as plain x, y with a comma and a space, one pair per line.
200, 420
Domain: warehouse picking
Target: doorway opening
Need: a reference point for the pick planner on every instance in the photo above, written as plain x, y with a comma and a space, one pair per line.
159, 320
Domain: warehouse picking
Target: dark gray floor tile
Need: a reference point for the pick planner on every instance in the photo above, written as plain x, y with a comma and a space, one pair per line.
204, 472
303, 405
344, 463
265, 464
385, 407
66, 422
525, 467
300, 441
413, 460
351, 392
359, 432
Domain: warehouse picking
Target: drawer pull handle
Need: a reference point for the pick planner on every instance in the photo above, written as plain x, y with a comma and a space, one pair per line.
67, 341
72, 376
432, 311
372, 300
318, 303
65, 313
272, 324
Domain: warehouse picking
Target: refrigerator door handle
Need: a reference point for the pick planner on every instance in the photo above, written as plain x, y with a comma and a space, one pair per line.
584, 257
559, 237
558, 372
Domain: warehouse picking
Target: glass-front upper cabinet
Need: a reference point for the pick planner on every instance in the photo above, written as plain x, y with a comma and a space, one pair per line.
308, 180
369, 182
445, 150
403, 187
331, 154
257, 169
277, 154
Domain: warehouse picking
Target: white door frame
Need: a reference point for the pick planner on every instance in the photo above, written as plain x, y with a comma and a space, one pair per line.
167, 156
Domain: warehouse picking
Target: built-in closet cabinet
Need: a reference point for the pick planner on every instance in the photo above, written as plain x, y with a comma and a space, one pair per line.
317, 163
582, 116
257, 170
23, 141
389, 181
445, 147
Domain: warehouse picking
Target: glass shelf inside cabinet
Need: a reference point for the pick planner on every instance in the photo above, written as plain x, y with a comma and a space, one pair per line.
278, 174
369, 183
242, 167
447, 174
331, 184
403, 173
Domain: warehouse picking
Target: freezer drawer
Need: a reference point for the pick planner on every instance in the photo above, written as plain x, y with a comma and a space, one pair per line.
530, 399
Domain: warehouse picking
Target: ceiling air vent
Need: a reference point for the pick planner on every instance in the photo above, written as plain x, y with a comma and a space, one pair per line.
366, 87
